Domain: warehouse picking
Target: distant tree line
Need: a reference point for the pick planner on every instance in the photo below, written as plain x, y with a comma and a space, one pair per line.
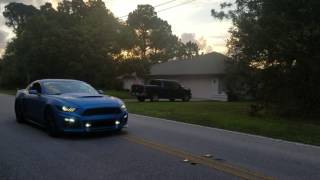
84, 40
275, 47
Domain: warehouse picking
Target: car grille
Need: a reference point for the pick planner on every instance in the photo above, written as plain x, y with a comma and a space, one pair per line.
105, 123
101, 111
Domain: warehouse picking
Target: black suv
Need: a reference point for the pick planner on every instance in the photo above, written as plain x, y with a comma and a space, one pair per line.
161, 89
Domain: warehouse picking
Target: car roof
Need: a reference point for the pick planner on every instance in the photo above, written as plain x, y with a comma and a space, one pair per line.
62, 80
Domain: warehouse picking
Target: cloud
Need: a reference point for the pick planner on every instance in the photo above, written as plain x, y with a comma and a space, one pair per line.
201, 42
3, 41
3, 38
186, 37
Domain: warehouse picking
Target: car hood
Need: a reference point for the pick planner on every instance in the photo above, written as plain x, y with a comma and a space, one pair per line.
85, 100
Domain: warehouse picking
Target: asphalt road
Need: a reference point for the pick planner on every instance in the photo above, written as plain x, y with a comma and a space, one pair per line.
150, 148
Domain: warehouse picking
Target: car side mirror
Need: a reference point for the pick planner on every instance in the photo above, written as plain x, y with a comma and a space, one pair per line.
32, 91
100, 91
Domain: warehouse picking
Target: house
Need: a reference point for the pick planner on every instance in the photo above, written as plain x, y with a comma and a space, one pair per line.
129, 79
203, 75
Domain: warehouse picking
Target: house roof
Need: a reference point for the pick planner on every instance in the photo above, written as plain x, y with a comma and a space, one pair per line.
212, 63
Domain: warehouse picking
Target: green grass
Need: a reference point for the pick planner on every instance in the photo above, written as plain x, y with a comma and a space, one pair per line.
231, 116
119, 94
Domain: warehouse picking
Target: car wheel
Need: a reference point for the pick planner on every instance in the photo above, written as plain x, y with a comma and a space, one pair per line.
141, 99
186, 98
172, 99
19, 114
154, 98
52, 128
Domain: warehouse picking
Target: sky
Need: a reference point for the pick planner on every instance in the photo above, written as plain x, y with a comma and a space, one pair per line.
190, 20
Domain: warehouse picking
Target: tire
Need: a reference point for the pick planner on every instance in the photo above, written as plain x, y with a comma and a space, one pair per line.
154, 98
186, 98
172, 99
52, 128
141, 99
19, 113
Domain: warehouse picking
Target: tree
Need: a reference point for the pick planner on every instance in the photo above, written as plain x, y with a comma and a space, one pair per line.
277, 41
156, 41
192, 49
78, 40
18, 14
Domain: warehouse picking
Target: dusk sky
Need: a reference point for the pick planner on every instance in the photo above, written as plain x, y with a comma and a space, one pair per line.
190, 19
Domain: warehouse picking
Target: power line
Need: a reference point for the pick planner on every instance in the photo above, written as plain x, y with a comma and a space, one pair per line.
175, 6
165, 9
164, 3
158, 5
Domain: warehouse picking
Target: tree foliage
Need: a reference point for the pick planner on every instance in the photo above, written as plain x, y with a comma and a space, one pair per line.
83, 40
275, 49
155, 39
78, 40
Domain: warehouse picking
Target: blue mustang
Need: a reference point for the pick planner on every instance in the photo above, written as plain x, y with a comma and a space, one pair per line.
62, 105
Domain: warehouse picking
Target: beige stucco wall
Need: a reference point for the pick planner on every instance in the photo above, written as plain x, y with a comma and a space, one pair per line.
203, 87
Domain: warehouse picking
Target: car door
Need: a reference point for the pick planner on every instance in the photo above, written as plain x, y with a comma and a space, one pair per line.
175, 90
168, 92
159, 90
34, 103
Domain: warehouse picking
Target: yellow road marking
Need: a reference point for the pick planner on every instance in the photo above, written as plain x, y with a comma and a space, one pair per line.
214, 164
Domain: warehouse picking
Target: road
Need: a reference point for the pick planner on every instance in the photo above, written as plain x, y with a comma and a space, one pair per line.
150, 148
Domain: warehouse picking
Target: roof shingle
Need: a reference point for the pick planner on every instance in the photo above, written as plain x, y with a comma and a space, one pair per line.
212, 63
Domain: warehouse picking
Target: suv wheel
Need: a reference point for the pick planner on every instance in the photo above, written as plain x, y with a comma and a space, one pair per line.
141, 99
154, 98
186, 98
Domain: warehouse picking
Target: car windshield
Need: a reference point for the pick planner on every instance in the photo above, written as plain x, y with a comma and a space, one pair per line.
62, 87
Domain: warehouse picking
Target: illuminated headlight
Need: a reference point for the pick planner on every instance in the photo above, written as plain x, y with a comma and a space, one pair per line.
117, 122
123, 107
70, 120
88, 125
68, 109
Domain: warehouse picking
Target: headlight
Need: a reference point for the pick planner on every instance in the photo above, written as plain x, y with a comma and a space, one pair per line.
68, 109
123, 107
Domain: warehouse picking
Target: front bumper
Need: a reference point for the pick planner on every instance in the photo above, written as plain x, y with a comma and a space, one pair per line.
98, 123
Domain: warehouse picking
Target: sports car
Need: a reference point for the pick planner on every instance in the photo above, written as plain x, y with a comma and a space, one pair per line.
69, 106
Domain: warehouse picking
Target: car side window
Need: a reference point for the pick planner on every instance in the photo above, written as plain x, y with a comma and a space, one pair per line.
171, 85
158, 83
37, 87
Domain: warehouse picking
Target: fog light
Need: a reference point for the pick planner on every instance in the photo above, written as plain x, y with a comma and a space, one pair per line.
117, 122
88, 125
70, 120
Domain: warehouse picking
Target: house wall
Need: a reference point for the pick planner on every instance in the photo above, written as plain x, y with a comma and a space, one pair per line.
128, 82
202, 87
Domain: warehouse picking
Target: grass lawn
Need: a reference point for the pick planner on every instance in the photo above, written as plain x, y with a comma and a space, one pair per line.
119, 94
232, 116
